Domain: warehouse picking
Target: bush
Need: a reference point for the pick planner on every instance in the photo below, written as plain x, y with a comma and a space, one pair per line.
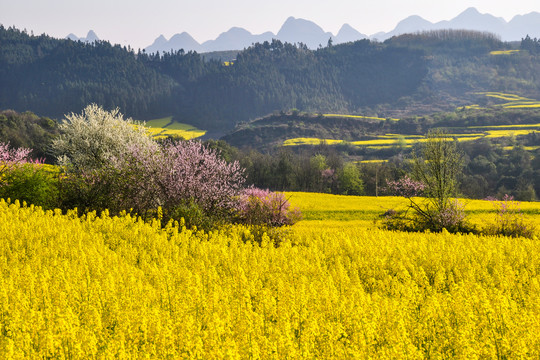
34, 183
25, 179
185, 178
192, 216
510, 220
258, 207
421, 213
190, 171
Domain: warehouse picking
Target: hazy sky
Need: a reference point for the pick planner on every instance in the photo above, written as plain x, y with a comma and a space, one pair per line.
139, 22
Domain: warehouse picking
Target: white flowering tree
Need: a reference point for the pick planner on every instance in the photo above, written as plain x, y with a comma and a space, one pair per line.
91, 139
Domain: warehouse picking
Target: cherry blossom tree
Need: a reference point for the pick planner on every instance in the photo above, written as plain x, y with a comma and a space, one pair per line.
12, 157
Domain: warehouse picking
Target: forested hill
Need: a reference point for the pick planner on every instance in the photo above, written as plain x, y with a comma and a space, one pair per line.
423, 72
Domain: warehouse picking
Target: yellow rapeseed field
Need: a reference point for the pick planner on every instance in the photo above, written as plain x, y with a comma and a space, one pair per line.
504, 52
161, 128
102, 287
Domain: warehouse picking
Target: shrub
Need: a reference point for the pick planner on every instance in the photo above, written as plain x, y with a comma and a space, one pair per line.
113, 164
510, 220
435, 178
185, 179
25, 179
258, 207
34, 183
192, 216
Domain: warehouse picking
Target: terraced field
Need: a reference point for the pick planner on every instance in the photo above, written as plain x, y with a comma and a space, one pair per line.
390, 140
512, 101
471, 133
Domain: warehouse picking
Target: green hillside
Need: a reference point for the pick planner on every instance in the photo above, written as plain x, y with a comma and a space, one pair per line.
404, 76
501, 115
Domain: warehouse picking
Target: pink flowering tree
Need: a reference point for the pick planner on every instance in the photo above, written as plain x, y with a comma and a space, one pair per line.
192, 172
184, 178
406, 187
11, 158
258, 207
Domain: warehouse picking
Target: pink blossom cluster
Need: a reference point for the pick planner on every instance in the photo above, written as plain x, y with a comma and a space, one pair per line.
145, 177
328, 174
450, 217
191, 170
406, 187
506, 204
258, 206
10, 157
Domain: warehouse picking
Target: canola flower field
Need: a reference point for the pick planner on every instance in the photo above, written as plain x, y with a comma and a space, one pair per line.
161, 128
101, 287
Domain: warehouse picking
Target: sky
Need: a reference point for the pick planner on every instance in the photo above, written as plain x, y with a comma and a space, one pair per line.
139, 22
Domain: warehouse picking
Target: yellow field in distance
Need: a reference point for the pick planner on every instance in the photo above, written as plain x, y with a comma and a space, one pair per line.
408, 141
535, 105
164, 127
504, 52
504, 96
358, 117
374, 161
514, 101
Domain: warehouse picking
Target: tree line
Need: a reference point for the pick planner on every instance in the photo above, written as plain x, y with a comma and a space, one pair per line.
491, 167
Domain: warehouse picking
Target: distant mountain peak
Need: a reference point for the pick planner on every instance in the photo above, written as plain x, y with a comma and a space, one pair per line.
473, 14
183, 35
289, 19
236, 29
348, 34
303, 31
91, 36
299, 24
411, 24
471, 11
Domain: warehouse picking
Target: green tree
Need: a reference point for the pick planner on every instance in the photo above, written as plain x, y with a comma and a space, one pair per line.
437, 167
435, 173
349, 179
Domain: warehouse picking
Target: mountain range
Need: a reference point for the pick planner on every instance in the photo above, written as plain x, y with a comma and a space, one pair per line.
90, 37
296, 30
